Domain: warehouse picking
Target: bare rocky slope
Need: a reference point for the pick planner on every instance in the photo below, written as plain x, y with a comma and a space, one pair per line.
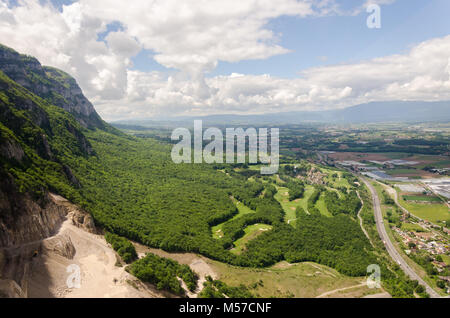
62, 243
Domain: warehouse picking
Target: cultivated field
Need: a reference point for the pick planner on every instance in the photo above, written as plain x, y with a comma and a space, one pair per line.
421, 198
430, 211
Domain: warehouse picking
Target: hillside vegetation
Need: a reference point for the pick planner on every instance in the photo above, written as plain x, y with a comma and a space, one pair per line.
133, 189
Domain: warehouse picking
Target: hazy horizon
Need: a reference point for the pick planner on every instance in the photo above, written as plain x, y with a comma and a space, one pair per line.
245, 58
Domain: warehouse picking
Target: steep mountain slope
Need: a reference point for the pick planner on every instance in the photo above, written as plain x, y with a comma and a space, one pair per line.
53, 85
35, 137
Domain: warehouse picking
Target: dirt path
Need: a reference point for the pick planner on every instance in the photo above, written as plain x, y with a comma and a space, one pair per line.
331, 292
289, 221
325, 270
361, 220
380, 295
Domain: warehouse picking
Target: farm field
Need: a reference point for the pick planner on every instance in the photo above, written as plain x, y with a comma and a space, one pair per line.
435, 161
412, 173
358, 156
423, 198
433, 212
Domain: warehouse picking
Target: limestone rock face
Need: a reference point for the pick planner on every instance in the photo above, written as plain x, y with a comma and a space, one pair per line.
39, 138
83, 220
10, 289
11, 150
24, 220
29, 231
51, 84
61, 245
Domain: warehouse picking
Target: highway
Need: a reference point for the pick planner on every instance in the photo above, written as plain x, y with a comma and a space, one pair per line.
390, 246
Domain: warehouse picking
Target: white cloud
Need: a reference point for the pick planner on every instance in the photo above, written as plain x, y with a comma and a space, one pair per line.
192, 37
68, 40
421, 74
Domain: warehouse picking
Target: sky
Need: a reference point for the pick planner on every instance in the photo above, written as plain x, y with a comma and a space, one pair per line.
157, 58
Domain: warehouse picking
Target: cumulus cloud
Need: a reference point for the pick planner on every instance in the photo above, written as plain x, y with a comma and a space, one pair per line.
421, 74
69, 40
191, 37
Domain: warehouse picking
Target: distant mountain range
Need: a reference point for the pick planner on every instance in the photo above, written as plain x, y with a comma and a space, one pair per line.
375, 112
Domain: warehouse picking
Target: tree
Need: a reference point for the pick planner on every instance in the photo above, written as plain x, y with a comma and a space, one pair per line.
420, 289
440, 284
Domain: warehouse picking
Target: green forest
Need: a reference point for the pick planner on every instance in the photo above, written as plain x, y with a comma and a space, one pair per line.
218, 289
133, 189
122, 246
164, 273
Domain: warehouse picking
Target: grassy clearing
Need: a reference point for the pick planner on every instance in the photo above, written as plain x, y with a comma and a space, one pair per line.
303, 280
289, 207
412, 227
336, 182
251, 232
242, 209
320, 204
446, 259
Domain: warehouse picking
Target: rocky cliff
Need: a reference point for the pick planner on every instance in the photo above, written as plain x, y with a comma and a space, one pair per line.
25, 219
28, 229
37, 134
51, 84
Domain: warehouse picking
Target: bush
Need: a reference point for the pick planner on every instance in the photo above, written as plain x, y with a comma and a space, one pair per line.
122, 246
164, 273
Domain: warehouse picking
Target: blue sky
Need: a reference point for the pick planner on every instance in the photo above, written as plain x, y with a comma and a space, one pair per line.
184, 57
327, 40
321, 41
